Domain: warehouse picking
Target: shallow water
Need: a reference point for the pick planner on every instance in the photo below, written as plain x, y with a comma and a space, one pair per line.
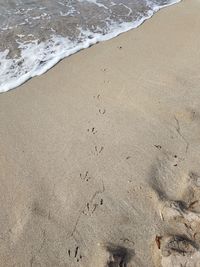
36, 34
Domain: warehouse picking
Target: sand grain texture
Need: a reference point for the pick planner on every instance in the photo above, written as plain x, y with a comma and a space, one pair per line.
99, 157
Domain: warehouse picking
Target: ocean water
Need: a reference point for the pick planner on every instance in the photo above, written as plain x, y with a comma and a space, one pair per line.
36, 34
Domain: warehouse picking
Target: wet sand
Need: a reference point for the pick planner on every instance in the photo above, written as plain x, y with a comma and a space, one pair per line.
99, 157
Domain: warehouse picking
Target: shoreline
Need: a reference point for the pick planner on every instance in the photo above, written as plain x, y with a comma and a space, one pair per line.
64, 51
99, 160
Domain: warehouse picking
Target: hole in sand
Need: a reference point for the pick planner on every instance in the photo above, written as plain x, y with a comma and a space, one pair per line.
119, 256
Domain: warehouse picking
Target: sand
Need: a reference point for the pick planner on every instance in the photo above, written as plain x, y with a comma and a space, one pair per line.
99, 157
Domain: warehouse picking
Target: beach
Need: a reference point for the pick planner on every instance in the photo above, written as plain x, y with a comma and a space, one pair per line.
99, 157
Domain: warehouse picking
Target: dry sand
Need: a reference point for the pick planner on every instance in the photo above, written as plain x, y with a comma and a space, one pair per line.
99, 157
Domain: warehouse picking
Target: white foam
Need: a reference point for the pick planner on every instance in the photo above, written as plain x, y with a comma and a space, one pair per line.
36, 58
94, 2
